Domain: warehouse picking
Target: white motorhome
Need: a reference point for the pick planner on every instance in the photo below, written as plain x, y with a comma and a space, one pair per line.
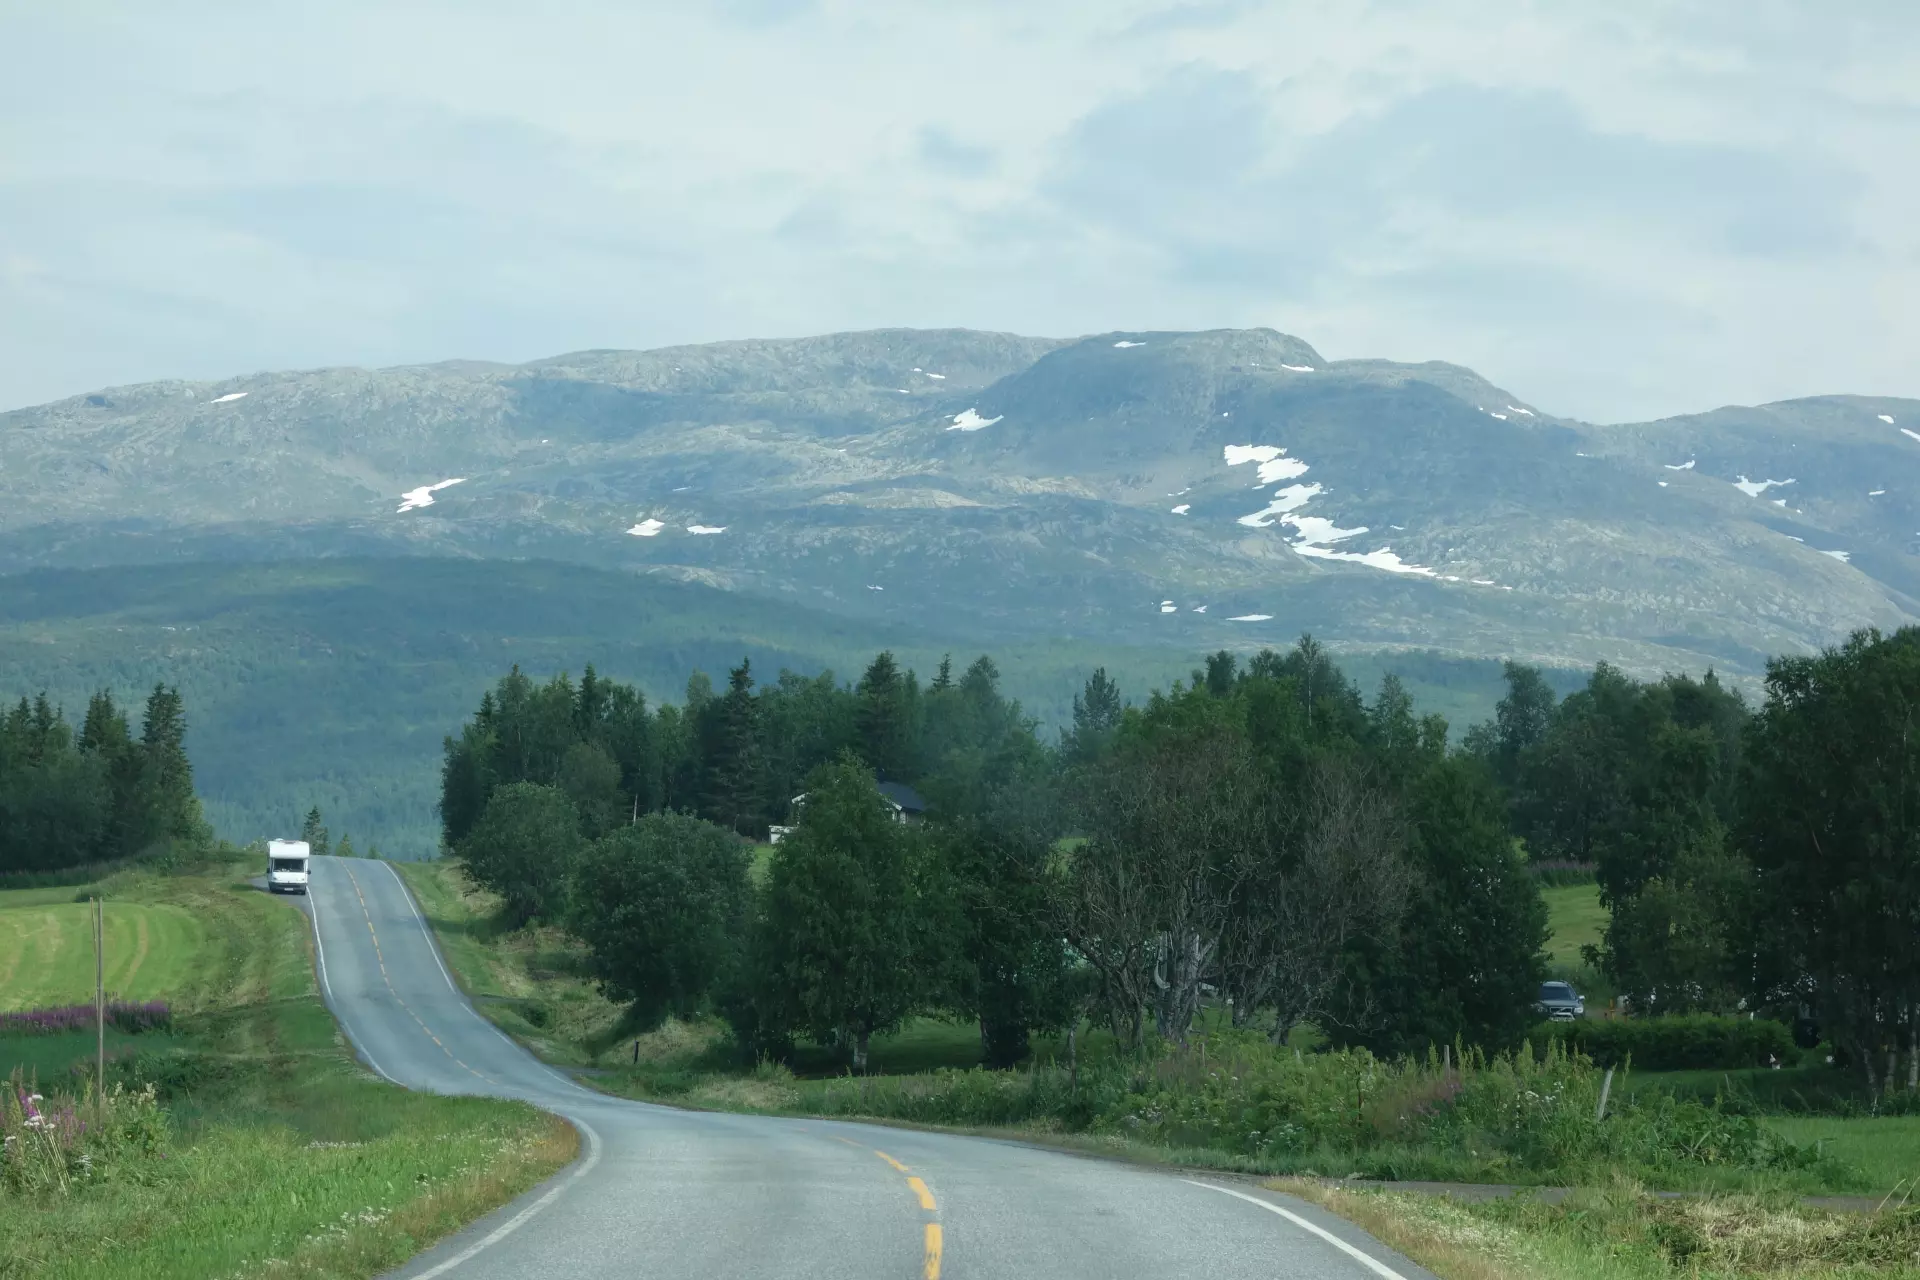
287, 866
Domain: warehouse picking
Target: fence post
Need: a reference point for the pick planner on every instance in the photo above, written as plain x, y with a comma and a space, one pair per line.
100, 1008
1606, 1087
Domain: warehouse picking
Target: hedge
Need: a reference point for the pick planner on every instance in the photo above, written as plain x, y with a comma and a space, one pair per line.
1691, 1042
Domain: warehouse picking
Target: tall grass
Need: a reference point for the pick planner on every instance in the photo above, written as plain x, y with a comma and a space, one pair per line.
1521, 1118
51, 1145
1622, 1232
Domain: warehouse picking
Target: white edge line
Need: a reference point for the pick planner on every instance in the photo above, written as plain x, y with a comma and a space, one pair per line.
433, 945
519, 1219
1372, 1263
320, 953
420, 919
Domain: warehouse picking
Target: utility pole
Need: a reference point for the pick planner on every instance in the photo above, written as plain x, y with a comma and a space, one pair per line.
100, 1007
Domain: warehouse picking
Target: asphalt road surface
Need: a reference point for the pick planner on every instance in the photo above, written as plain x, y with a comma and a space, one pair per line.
660, 1192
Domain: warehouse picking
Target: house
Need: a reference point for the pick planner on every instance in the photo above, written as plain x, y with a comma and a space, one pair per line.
905, 802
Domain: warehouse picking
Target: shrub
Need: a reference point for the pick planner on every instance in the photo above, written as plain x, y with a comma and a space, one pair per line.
1524, 1118
1680, 1043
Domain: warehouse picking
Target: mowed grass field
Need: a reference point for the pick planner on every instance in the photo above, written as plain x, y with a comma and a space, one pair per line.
1575, 918
195, 941
46, 952
1887, 1148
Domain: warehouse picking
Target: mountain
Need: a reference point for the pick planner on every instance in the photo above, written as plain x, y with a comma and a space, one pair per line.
332, 564
1171, 490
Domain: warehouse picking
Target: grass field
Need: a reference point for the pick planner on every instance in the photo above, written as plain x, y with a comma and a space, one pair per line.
1576, 919
1886, 1148
199, 942
285, 1157
46, 952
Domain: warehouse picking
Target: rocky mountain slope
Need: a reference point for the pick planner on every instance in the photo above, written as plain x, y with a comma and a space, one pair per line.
1189, 489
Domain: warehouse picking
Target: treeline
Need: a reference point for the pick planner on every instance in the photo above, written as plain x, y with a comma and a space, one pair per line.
101, 794
735, 756
1261, 834
1761, 860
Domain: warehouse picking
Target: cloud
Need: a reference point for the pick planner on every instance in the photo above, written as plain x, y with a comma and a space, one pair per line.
1614, 213
938, 149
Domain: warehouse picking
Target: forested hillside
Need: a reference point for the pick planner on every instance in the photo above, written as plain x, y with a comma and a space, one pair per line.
332, 682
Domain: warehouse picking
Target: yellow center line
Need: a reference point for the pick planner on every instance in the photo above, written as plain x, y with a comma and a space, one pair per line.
385, 977
930, 1268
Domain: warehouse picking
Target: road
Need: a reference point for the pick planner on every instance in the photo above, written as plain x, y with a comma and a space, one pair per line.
660, 1192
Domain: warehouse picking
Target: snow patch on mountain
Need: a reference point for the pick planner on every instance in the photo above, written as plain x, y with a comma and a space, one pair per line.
1685, 466
236, 395
1274, 465
706, 528
1252, 617
1754, 488
1287, 500
647, 528
1123, 344
1314, 536
970, 420
414, 499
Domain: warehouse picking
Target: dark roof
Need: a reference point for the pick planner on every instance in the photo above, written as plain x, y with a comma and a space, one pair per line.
904, 796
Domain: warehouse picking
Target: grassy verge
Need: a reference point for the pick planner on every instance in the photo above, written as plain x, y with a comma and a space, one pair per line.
278, 1155
1621, 1232
529, 982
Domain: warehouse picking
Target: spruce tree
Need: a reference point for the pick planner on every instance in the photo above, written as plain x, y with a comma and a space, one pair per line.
734, 772
1096, 715
172, 809
314, 832
884, 717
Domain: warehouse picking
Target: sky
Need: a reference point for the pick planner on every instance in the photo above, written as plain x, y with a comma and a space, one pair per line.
1616, 211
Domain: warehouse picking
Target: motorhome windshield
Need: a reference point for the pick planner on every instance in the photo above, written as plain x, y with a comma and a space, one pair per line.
289, 864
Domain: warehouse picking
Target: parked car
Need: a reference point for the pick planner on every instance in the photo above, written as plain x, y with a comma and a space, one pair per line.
1559, 1002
